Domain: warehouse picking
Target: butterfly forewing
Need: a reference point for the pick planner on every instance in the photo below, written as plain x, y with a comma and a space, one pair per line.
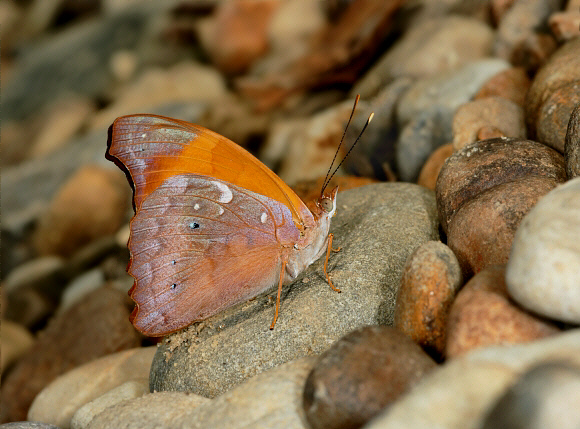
199, 245
154, 148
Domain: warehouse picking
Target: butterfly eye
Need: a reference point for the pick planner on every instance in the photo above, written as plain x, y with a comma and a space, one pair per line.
326, 204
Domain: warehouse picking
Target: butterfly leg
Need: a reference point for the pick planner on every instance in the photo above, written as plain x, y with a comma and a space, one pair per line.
328, 250
279, 294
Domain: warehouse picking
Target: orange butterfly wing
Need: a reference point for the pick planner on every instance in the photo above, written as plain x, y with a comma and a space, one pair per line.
153, 148
200, 245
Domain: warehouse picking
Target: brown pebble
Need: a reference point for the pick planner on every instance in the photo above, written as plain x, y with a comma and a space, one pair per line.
361, 374
489, 132
561, 70
483, 315
512, 83
97, 326
565, 25
432, 167
91, 204
487, 163
493, 112
309, 190
482, 231
431, 278
572, 146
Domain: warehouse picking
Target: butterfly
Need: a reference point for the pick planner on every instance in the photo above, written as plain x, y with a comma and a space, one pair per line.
213, 225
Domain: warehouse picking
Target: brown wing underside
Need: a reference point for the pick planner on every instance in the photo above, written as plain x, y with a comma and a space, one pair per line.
199, 245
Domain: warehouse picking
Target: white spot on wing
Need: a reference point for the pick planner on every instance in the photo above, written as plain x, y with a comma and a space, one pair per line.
143, 135
263, 218
221, 210
226, 193
196, 206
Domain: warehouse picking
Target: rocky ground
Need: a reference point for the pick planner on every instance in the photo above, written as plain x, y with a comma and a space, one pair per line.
458, 214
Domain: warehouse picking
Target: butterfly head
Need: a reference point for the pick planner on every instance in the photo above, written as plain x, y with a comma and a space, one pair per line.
327, 204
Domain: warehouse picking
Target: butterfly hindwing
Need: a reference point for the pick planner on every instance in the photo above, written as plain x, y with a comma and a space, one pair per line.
199, 245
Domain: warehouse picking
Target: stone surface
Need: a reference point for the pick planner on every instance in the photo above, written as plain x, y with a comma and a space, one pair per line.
431, 279
390, 219
483, 192
562, 70
271, 399
566, 25
16, 340
58, 402
554, 390
497, 112
512, 83
128, 390
361, 374
542, 273
436, 46
483, 315
572, 145
432, 167
90, 205
459, 394
485, 164
95, 327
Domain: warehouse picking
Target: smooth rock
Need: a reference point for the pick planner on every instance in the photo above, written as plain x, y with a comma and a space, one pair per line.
447, 91
390, 219
432, 167
269, 400
80, 287
58, 402
485, 164
547, 97
554, 390
566, 25
361, 374
483, 315
435, 47
128, 390
497, 112
419, 138
521, 22
431, 279
572, 145
158, 87
512, 84
458, 394
90, 205
95, 327
16, 340
542, 272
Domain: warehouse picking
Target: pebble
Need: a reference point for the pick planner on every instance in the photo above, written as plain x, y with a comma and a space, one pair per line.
95, 327
157, 87
542, 273
553, 388
361, 374
565, 25
512, 83
483, 315
519, 25
572, 146
60, 400
432, 167
430, 281
435, 47
483, 192
128, 390
459, 394
16, 341
390, 219
271, 399
553, 95
498, 113
76, 217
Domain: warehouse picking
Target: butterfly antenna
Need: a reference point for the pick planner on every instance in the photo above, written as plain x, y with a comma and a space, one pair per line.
325, 183
370, 118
